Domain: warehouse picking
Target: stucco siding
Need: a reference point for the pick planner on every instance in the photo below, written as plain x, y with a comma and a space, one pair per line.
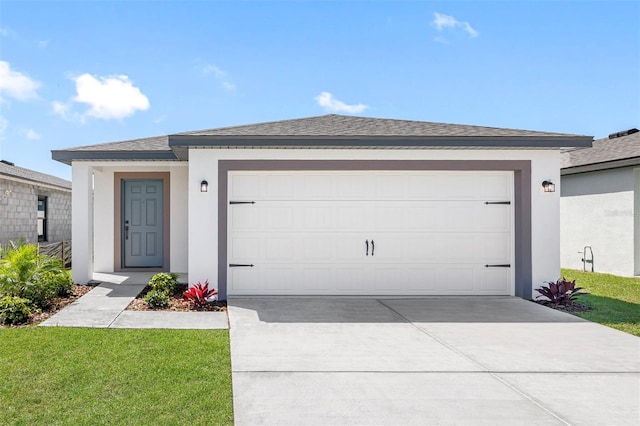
18, 212
102, 197
597, 210
203, 207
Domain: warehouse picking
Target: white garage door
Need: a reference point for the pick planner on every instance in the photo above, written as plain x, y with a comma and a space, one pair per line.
370, 233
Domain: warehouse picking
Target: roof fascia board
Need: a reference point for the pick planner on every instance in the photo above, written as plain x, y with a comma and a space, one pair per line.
34, 182
616, 164
269, 141
67, 156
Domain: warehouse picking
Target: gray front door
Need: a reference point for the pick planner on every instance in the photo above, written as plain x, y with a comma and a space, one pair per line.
142, 223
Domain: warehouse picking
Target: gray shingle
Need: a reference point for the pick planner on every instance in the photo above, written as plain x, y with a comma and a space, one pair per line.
33, 176
334, 125
604, 150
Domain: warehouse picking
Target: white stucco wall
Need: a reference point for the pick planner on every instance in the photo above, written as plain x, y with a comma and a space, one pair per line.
597, 210
203, 207
103, 211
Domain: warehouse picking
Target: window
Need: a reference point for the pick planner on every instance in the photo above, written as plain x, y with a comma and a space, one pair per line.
42, 218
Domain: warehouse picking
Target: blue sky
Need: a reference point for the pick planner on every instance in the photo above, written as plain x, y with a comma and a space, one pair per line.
80, 73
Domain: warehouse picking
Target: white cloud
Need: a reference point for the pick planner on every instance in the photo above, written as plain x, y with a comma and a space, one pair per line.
442, 22
159, 119
4, 31
220, 75
113, 97
329, 103
32, 134
16, 84
42, 43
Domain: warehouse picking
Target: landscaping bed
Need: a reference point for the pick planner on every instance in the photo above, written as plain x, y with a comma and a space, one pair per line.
56, 305
176, 302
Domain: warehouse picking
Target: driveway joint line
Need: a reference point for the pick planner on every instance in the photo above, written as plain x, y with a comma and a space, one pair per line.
485, 369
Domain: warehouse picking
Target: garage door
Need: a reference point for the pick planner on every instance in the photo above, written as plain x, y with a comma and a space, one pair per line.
370, 233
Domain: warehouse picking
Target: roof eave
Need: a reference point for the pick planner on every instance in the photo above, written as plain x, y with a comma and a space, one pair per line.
605, 165
66, 156
185, 141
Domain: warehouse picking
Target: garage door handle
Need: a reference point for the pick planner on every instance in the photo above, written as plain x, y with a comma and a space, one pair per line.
366, 242
500, 265
240, 265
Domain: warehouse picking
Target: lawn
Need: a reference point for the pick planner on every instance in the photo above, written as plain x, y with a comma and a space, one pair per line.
73, 376
615, 301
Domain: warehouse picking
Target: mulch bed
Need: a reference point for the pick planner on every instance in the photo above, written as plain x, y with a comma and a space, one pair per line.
572, 309
176, 303
42, 315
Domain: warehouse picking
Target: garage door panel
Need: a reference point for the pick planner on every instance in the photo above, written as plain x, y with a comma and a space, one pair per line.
495, 248
494, 280
278, 279
243, 248
319, 217
458, 278
319, 249
307, 233
352, 187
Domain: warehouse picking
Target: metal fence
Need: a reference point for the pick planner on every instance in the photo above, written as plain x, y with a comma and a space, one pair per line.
61, 250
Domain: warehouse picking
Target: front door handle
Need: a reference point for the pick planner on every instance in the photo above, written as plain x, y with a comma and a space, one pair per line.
126, 229
373, 247
366, 242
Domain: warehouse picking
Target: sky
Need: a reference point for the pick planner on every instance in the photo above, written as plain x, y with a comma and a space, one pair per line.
82, 73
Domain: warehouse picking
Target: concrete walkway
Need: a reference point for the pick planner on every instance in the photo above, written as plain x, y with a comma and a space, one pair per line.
105, 305
470, 361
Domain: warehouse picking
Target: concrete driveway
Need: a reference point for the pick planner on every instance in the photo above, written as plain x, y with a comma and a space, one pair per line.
469, 361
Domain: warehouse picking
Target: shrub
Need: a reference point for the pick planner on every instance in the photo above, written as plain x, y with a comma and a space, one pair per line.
560, 293
14, 310
157, 299
200, 294
26, 273
164, 282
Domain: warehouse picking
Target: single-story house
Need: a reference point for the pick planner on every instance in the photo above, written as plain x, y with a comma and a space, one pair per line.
600, 206
34, 206
328, 205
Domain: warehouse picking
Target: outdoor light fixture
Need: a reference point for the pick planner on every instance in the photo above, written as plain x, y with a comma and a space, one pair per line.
204, 186
548, 186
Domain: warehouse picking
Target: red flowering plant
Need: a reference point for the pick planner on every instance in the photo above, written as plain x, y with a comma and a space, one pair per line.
199, 294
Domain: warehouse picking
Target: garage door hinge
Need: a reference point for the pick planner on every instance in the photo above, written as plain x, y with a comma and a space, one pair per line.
239, 265
497, 202
242, 202
501, 265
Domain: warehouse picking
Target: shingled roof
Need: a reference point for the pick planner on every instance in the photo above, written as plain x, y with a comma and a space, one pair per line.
336, 131
12, 171
606, 153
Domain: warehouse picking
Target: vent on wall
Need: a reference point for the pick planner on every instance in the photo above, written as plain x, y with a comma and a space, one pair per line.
623, 133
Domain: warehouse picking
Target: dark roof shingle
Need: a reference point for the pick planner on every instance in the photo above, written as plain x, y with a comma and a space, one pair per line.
334, 125
338, 129
33, 176
603, 151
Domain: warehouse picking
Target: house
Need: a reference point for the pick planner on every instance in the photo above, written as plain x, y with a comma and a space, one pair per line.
34, 206
328, 205
600, 206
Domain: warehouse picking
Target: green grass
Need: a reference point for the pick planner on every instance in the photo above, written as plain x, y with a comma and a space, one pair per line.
80, 376
615, 301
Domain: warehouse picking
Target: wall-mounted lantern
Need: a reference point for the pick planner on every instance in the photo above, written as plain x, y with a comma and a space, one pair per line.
204, 186
548, 186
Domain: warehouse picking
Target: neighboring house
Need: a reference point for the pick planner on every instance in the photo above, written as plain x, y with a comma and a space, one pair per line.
600, 205
329, 205
33, 206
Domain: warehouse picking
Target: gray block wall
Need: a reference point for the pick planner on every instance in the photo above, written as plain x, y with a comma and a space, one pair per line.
19, 207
